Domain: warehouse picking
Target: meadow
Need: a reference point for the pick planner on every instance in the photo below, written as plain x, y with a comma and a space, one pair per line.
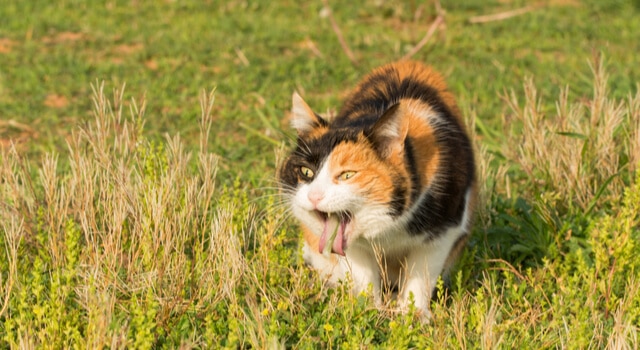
139, 142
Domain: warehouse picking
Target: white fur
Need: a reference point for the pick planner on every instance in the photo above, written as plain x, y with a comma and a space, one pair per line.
337, 196
372, 227
425, 112
302, 117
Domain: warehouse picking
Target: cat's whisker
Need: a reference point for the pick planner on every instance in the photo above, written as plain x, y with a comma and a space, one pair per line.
271, 195
307, 149
282, 217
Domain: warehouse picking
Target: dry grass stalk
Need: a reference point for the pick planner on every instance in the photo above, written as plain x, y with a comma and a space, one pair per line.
624, 334
242, 57
502, 15
578, 150
432, 29
13, 236
633, 146
336, 29
487, 171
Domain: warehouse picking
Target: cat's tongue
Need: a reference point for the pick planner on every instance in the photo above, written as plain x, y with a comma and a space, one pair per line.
337, 246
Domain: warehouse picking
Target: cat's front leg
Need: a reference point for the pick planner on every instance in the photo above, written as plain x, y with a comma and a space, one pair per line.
364, 271
424, 265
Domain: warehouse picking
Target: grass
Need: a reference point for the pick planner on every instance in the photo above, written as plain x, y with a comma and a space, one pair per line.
146, 216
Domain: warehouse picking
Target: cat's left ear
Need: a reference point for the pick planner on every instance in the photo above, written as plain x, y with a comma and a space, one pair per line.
303, 118
388, 134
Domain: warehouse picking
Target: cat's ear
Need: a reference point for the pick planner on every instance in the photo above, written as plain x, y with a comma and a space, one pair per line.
303, 119
388, 134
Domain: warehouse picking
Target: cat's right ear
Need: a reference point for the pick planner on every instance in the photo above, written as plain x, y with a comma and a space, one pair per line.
303, 119
388, 134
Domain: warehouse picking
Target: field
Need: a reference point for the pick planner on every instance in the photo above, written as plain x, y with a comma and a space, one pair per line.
139, 142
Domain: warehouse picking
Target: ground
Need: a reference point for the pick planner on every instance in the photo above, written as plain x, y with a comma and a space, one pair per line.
116, 232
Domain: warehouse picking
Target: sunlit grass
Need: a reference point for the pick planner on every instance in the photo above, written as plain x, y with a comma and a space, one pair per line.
147, 217
134, 245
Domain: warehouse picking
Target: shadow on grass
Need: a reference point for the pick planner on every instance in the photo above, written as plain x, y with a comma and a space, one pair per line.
517, 234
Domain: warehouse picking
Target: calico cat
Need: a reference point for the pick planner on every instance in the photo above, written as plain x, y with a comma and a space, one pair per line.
387, 185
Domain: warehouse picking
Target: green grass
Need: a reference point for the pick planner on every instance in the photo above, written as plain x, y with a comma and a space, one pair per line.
115, 232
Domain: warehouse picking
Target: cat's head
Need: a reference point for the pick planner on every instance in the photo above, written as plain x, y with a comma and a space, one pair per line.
346, 180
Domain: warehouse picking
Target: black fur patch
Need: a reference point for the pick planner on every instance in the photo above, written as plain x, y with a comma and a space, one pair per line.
398, 200
312, 154
410, 160
444, 204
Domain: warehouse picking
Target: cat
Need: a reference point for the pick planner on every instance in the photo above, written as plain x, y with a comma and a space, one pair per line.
387, 185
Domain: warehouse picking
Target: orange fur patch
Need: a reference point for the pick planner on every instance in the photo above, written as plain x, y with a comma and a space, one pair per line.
416, 71
426, 149
430, 77
312, 240
316, 132
373, 176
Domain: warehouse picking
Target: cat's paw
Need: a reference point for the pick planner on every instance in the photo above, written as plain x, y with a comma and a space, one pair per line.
419, 308
331, 269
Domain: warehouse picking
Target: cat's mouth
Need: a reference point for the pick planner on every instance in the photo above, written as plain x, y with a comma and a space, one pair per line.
333, 232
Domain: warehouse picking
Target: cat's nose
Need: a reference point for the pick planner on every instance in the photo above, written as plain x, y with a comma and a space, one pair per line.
315, 197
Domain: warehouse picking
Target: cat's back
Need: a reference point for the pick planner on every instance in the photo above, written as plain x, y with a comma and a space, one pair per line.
391, 83
437, 152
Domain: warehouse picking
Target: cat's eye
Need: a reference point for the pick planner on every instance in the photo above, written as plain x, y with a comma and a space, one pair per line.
306, 172
346, 175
